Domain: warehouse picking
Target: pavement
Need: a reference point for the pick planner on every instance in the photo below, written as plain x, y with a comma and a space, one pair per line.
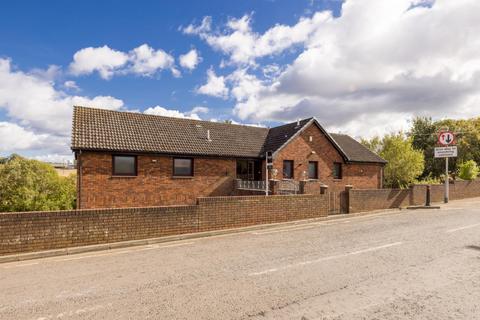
421, 264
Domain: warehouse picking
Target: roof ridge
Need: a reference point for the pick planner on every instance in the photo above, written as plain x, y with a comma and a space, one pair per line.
289, 123
166, 117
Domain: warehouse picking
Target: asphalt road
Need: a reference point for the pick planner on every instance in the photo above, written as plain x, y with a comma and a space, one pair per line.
396, 265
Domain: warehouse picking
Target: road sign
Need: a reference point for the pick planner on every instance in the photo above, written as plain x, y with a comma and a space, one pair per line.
446, 138
446, 152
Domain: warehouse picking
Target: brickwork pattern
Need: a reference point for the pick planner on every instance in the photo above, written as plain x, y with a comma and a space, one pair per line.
154, 184
35, 231
366, 200
301, 150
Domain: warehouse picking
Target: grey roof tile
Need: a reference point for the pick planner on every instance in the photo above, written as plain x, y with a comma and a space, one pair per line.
106, 130
354, 150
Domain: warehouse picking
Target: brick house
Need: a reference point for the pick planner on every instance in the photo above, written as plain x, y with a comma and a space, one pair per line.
129, 159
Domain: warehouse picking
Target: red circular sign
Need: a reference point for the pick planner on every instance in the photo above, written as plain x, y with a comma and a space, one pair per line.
446, 138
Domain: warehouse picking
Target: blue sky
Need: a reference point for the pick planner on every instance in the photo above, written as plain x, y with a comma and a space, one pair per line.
49, 33
363, 67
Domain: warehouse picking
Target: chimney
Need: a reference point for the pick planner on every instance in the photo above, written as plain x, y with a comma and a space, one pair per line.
208, 135
298, 122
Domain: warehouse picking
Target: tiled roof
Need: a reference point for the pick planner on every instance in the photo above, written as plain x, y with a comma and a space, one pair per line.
98, 129
354, 150
106, 130
278, 136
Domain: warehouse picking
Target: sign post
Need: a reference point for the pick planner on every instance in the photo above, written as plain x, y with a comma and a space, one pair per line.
449, 150
447, 182
268, 165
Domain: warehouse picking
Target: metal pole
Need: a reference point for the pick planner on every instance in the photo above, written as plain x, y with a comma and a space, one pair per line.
266, 174
446, 180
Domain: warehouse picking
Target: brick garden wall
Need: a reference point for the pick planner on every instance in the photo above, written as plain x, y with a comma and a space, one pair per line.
35, 231
366, 200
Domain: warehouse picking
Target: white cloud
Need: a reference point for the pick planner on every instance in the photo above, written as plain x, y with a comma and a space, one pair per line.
175, 72
143, 60
368, 71
39, 114
72, 85
199, 109
190, 60
161, 111
55, 158
102, 59
243, 46
146, 61
15, 138
215, 86
205, 26
50, 74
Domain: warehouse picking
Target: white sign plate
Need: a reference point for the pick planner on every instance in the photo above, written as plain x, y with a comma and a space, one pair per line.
445, 152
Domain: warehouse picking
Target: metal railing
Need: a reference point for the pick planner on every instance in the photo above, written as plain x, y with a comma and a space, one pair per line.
251, 184
288, 187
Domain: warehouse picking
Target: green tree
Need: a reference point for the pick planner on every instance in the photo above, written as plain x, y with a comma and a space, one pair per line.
405, 163
424, 135
374, 144
29, 185
468, 170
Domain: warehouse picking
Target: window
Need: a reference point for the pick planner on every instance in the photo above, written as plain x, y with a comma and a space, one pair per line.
312, 170
287, 169
182, 167
248, 170
337, 170
124, 165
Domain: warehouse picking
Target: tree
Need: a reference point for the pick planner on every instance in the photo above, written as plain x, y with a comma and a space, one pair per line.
27, 185
374, 144
424, 135
405, 163
468, 170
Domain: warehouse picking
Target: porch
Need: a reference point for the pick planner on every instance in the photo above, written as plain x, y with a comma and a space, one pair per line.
337, 200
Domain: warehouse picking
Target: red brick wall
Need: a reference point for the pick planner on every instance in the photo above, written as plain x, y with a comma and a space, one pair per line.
34, 231
364, 176
458, 190
366, 200
154, 184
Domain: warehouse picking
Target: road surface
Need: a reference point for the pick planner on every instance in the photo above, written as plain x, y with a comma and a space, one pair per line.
393, 265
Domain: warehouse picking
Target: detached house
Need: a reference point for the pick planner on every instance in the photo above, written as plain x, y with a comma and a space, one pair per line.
135, 160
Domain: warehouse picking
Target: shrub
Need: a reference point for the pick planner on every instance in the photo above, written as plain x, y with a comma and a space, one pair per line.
468, 170
31, 185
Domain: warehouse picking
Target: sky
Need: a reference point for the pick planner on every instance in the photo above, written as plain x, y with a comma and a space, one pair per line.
361, 67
